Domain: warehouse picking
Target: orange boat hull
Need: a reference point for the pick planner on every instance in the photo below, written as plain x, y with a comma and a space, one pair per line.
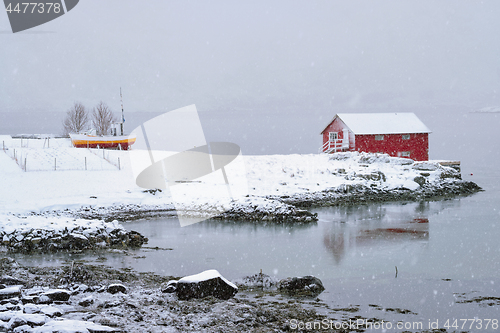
87, 141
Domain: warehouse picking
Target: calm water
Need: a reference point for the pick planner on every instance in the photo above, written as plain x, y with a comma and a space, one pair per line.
445, 251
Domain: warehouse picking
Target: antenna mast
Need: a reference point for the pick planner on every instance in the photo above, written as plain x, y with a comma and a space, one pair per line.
123, 116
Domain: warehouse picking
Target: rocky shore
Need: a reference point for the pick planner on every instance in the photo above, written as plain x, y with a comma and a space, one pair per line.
360, 194
80, 298
28, 235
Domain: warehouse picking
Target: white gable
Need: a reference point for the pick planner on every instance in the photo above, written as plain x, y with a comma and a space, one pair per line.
383, 123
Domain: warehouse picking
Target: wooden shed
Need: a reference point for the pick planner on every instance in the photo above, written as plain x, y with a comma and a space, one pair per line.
397, 134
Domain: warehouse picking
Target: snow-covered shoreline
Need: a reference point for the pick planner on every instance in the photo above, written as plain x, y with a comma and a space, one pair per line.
280, 188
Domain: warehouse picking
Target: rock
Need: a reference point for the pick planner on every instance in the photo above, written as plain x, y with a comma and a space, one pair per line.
420, 180
116, 288
55, 295
51, 311
10, 292
31, 309
375, 176
110, 304
82, 288
16, 321
87, 301
10, 281
207, 283
73, 326
307, 285
425, 166
450, 173
374, 158
171, 287
30, 299
401, 160
23, 329
21, 319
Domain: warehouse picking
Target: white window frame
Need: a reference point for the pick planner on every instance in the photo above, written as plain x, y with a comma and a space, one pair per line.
334, 134
405, 154
379, 137
405, 136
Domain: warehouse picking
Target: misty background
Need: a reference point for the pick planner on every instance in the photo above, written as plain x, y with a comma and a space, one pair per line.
268, 76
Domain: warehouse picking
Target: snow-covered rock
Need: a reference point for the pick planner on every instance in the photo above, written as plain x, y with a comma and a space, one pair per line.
116, 288
305, 286
207, 283
10, 292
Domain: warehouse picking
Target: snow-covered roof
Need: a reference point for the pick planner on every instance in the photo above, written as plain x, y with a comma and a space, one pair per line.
382, 123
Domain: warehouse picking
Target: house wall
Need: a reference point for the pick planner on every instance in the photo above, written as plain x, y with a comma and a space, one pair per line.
338, 125
394, 145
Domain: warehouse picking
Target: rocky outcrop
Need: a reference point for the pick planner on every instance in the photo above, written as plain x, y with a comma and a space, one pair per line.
359, 193
77, 238
267, 210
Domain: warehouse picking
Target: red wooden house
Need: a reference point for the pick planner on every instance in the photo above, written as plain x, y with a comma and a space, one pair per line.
397, 134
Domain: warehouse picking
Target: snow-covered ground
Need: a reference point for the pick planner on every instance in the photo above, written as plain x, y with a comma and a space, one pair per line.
106, 182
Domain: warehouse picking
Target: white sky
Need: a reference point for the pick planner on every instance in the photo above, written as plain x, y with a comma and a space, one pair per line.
248, 61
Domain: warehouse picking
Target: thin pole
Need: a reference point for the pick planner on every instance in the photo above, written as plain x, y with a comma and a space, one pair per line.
123, 116
119, 167
25, 169
85, 162
55, 164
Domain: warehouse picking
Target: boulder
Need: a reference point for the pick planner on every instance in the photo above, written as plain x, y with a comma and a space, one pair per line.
10, 281
10, 292
207, 283
53, 295
116, 288
87, 301
306, 285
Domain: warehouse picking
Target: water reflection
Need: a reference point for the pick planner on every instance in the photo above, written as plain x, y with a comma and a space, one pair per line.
372, 227
340, 238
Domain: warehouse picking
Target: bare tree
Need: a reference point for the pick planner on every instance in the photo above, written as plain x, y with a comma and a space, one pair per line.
102, 117
77, 119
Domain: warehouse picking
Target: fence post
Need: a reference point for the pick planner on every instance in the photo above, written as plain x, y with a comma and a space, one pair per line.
55, 164
25, 168
119, 167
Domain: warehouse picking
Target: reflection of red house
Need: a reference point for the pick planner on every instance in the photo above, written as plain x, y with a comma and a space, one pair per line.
397, 134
